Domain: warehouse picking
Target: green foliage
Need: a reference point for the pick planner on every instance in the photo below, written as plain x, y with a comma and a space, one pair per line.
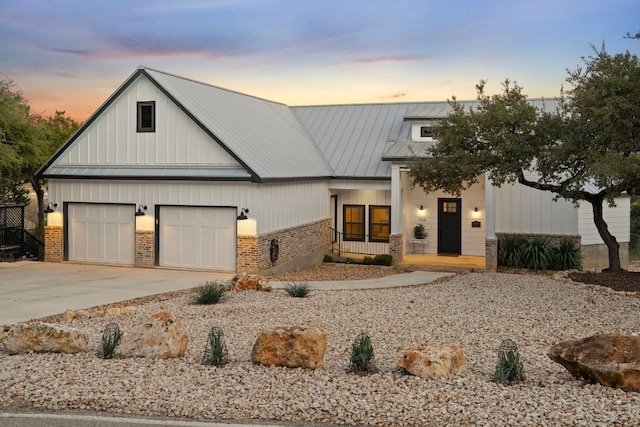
511, 250
297, 289
362, 358
111, 337
537, 253
215, 352
509, 369
367, 260
327, 258
383, 259
419, 232
635, 218
567, 256
211, 292
349, 261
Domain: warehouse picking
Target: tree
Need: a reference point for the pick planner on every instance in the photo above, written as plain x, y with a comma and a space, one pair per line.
591, 141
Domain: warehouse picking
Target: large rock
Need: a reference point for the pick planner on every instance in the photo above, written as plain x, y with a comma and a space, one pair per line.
291, 346
246, 282
609, 359
432, 361
161, 336
20, 338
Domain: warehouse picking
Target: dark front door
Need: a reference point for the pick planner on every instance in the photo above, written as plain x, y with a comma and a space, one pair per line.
449, 226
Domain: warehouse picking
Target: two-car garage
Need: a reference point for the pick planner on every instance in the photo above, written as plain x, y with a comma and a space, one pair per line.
194, 237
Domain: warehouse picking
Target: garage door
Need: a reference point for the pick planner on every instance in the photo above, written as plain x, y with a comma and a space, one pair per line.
198, 237
102, 233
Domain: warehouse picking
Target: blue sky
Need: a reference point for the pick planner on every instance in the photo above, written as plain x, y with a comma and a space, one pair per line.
72, 54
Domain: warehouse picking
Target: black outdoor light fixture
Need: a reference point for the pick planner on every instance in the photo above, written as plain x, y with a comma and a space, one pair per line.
243, 214
51, 207
141, 210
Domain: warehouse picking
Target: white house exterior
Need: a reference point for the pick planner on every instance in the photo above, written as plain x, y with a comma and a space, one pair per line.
190, 158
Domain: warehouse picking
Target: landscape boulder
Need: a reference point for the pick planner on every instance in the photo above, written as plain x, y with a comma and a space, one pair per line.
160, 336
432, 361
246, 282
609, 359
291, 346
21, 338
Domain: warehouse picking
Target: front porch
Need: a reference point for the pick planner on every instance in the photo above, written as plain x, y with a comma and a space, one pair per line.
435, 260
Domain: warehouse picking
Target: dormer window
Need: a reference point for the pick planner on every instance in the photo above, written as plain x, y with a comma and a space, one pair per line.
422, 130
146, 117
425, 132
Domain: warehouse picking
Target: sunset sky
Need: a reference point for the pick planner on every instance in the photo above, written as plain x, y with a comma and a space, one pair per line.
72, 54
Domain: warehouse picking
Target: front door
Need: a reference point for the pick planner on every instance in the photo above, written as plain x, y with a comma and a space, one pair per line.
449, 226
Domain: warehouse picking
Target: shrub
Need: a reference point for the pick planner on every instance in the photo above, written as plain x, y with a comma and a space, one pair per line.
111, 337
367, 260
510, 251
419, 232
209, 293
509, 369
567, 256
298, 289
349, 261
537, 253
384, 259
327, 258
362, 357
215, 352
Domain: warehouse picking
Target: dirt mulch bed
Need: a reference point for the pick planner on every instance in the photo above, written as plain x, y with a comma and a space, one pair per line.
628, 281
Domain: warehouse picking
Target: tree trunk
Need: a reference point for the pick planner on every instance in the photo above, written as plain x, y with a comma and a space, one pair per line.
37, 188
609, 239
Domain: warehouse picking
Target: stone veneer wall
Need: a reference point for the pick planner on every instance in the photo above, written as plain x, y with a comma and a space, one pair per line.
396, 243
301, 243
491, 254
53, 243
596, 257
145, 248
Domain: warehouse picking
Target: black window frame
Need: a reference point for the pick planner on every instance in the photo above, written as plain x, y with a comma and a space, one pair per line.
360, 236
139, 116
426, 132
372, 224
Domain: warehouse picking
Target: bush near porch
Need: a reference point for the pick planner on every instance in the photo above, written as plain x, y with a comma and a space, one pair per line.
539, 251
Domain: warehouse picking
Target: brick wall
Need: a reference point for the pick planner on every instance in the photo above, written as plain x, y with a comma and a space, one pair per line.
396, 243
145, 248
53, 243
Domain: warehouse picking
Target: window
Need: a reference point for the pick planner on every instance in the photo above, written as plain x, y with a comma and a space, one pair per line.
450, 207
146, 116
425, 132
353, 219
379, 223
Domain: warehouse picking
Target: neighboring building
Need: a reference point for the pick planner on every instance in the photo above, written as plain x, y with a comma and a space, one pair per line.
190, 158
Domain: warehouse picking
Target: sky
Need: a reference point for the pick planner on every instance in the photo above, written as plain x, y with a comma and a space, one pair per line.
71, 55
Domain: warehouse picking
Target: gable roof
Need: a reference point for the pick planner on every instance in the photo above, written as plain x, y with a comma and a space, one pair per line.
265, 137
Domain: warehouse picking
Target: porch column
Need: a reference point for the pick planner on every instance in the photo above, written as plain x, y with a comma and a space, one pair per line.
396, 200
491, 243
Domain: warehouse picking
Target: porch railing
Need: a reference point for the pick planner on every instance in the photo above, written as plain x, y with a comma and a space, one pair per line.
15, 243
342, 247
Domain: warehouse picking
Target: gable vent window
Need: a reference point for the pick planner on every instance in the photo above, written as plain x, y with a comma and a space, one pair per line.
146, 116
425, 132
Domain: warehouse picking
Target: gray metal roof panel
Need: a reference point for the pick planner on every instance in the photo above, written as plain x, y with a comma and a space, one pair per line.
147, 171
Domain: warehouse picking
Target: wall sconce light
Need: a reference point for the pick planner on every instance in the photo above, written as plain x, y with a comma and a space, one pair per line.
243, 214
51, 207
421, 207
141, 210
475, 209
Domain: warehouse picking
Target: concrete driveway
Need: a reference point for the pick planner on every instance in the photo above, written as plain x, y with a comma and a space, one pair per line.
31, 289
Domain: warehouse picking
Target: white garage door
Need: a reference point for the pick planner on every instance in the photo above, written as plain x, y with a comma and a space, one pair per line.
198, 237
102, 233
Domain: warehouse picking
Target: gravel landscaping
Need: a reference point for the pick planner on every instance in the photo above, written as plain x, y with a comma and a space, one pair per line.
474, 310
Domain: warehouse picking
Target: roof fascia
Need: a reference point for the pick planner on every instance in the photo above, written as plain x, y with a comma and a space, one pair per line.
147, 178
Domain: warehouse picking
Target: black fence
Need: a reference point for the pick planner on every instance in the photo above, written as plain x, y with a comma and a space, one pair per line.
15, 241
634, 243
360, 247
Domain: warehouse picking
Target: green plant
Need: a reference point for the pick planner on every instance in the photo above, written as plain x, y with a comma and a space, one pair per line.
327, 258
567, 256
510, 250
419, 232
537, 253
509, 369
215, 352
209, 293
383, 259
362, 359
298, 289
368, 260
349, 261
111, 337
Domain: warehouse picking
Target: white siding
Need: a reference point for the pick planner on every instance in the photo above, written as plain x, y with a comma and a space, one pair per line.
617, 219
521, 209
273, 206
112, 139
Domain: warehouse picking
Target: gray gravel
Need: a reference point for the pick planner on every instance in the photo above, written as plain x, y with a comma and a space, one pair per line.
476, 311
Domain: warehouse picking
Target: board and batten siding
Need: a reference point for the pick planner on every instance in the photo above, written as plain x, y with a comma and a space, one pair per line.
274, 206
617, 219
520, 209
112, 139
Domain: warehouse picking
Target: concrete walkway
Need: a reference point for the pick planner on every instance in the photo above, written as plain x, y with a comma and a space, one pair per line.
32, 289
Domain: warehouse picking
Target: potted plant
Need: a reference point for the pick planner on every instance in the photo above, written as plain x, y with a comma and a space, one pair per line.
419, 232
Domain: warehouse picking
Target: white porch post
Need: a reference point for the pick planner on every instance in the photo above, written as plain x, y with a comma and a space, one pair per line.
491, 243
396, 200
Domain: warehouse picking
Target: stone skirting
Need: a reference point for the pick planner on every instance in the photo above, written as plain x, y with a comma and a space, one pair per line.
491, 254
53, 243
145, 248
396, 245
297, 247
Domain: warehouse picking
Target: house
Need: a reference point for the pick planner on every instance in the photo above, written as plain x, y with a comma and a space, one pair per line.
171, 172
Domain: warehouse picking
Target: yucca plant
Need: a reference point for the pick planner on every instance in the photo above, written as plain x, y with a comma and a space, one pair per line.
211, 292
509, 369
567, 256
362, 359
537, 253
215, 352
298, 289
111, 337
511, 248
